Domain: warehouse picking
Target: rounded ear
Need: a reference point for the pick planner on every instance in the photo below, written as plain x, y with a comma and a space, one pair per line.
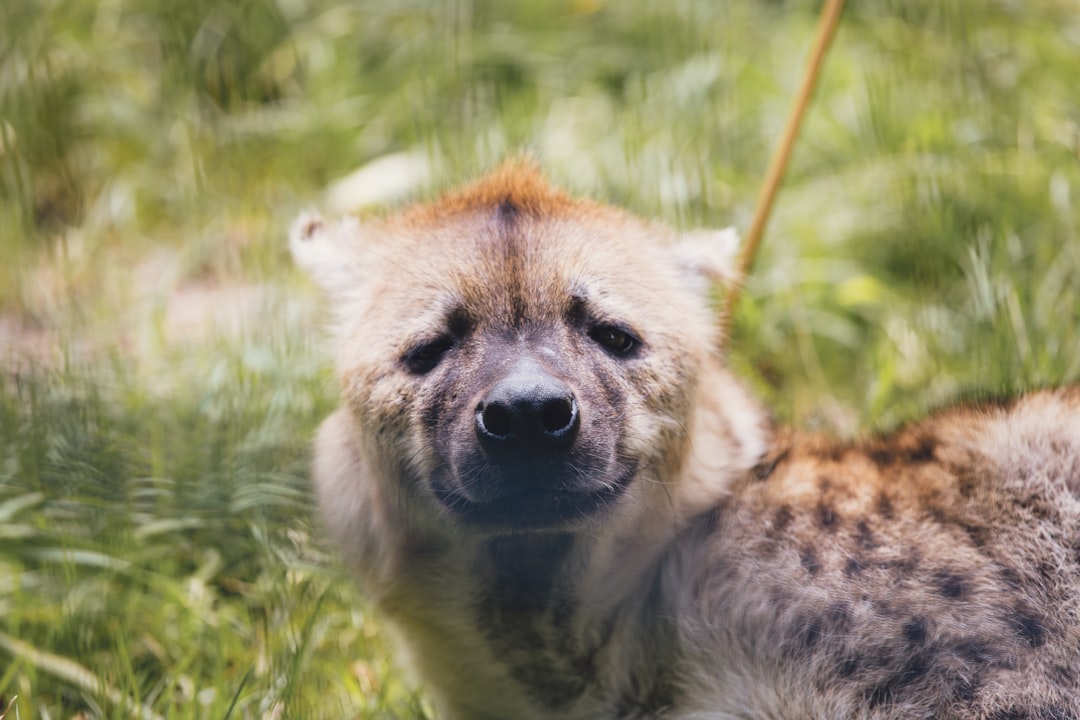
709, 256
326, 250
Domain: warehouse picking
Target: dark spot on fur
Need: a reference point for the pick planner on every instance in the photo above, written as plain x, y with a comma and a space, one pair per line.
1064, 675
1047, 571
1029, 627
839, 616
883, 608
1054, 712
923, 451
965, 690
979, 535
849, 666
854, 566
882, 457
810, 632
938, 515
431, 416
885, 506
915, 630
919, 664
1009, 714
835, 453
763, 470
824, 485
1011, 577
1036, 506
826, 516
613, 392
864, 536
889, 690
809, 559
977, 652
950, 584
781, 519
810, 629
967, 483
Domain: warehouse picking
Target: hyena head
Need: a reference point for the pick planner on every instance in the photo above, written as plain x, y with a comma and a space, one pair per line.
515, 359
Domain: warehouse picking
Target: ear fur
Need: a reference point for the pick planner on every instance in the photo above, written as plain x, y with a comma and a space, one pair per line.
326, 250
709, 256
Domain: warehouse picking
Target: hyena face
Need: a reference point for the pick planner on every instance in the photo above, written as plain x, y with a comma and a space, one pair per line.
524, 410
514, 358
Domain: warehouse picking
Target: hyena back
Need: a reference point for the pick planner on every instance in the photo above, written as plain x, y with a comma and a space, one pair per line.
545, 478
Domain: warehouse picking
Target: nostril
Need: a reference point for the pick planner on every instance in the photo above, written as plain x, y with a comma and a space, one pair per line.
558, 415
496, 420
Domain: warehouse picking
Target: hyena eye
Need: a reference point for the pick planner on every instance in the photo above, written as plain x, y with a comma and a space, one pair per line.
618, 341
424, 357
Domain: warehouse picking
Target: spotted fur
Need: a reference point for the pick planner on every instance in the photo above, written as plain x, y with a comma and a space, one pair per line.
706, 564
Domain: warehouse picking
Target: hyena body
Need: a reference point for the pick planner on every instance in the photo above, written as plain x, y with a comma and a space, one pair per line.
546, 479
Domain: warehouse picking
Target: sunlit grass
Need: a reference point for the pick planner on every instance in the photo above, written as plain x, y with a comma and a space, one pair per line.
163, 368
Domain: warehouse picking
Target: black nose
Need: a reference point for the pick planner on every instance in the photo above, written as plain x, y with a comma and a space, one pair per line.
528, 410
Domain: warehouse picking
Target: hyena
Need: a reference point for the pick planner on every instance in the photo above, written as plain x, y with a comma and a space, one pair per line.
548, 482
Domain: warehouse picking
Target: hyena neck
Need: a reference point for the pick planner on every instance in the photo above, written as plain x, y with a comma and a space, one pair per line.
575, 653
528, 571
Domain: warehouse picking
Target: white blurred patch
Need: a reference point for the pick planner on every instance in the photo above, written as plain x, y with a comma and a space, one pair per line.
384, 180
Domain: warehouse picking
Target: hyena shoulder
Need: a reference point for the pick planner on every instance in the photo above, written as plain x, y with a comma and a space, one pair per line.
548, 482
935, 569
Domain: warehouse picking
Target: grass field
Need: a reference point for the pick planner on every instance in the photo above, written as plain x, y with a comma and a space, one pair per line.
163, 366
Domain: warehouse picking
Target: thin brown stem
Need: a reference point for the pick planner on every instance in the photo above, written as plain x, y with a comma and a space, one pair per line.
830, 18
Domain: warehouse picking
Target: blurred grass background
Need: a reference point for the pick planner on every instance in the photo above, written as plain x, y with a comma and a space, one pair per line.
163, 367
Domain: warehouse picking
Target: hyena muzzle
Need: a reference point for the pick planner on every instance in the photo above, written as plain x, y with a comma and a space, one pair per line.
545, 478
